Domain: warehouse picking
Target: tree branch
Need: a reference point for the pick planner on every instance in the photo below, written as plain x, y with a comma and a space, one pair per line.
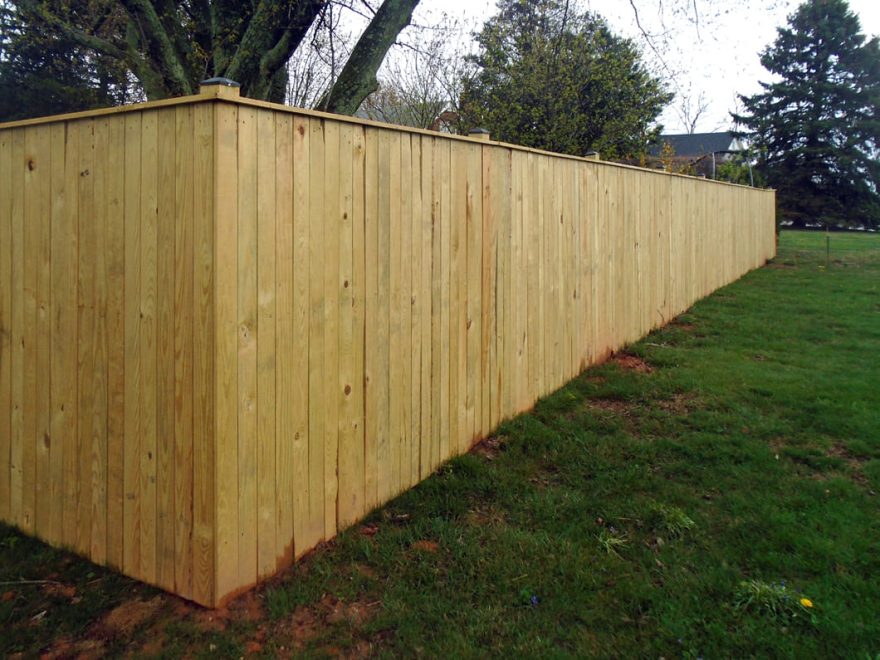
158, 43
150, 78
265, 46
358, 78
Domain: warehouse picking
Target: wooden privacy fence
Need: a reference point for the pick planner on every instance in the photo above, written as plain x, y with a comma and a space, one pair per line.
230, 329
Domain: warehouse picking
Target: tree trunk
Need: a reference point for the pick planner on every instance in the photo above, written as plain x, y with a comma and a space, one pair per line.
358, 78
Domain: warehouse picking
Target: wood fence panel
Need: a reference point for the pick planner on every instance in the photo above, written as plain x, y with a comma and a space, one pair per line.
229, 329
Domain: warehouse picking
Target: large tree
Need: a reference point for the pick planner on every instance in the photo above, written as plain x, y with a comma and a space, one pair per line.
553, 78
816, 127
168, 46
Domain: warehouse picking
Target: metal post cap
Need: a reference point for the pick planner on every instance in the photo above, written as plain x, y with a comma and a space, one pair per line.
226, 82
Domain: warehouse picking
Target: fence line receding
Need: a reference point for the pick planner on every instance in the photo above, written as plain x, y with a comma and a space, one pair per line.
229, 329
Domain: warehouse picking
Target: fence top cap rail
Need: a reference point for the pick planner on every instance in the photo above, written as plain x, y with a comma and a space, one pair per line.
227, 91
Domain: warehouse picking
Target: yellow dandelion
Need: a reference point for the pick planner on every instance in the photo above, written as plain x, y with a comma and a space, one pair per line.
806, 602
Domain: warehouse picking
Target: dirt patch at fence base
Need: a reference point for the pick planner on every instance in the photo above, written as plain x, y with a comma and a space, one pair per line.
307, 622
853, 462
632, 363
426, 545
247, 607
485, 516
837, 450
124, 619
617, 406
679, 404
117, 625
489, 448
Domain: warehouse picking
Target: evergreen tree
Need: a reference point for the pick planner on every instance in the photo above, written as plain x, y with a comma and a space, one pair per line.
43, 73
551, 78
817, 129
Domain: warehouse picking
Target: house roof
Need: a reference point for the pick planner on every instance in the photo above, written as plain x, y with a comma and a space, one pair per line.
695, 144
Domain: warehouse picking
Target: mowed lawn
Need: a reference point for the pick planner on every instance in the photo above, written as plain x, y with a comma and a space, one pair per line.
679, 501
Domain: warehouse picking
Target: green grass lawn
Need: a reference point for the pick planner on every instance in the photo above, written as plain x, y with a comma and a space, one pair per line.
680, 509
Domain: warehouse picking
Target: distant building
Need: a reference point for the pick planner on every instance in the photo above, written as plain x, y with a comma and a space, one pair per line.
700, 153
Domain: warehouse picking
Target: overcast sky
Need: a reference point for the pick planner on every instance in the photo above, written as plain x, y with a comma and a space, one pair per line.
717, 54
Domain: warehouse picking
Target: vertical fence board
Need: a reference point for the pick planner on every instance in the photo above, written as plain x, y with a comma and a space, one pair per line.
248, 338
148, 344
330, 287
183, 276
132, 323
402, 354
88, 401
473, 312
356, 489
303, 530
42, 164
226, 332
287, 344
428, 436
18, 393
415, 326
205, 445
457, 300
372, 318
115, 338
267, 342
386, 453
395, 320
349, 455
30, 206
6, 316
317, 322
166, 465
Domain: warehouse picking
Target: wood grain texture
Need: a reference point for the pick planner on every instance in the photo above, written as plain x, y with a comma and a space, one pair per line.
267, 310
286, 340
183, 349
205, 443
225, 549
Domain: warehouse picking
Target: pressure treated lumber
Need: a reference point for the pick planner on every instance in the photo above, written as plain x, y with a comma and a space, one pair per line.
230, 329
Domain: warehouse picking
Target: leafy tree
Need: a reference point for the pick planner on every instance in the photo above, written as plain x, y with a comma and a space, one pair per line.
739, 170
168, 46
816, 129
551, 78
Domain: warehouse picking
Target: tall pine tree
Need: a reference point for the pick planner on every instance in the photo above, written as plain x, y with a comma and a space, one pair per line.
817, 127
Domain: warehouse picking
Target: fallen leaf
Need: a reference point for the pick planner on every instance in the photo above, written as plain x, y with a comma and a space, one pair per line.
427, 546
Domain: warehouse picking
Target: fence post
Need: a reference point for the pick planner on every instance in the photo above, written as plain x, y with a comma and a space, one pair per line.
220, 88
479, 134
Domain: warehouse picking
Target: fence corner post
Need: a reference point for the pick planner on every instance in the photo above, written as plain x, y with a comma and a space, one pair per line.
479, 134
220, 88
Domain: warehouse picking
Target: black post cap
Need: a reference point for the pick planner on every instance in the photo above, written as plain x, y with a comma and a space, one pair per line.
226, 82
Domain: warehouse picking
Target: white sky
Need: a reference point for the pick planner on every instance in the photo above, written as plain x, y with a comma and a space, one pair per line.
720, 58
